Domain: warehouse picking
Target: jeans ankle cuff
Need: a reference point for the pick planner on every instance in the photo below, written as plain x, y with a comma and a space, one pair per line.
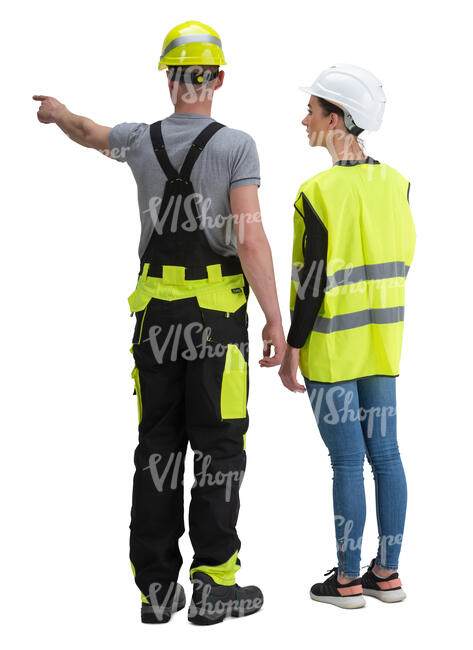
386, 567
348, 574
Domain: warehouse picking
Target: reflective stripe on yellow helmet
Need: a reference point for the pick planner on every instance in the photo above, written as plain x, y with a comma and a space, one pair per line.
192, 38
191, 43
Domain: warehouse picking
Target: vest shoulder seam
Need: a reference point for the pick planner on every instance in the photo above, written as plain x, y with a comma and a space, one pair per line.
314, 179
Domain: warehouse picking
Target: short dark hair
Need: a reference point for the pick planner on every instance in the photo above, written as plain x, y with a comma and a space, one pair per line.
178, 72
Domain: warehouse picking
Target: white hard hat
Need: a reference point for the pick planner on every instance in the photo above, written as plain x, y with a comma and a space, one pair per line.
356, 90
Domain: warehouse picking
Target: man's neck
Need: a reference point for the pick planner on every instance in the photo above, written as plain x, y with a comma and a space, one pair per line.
199, 108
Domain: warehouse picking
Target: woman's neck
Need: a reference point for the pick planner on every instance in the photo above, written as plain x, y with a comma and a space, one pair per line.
345, 148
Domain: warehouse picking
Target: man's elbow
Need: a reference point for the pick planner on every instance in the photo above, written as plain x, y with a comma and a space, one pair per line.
249, 248
96, 137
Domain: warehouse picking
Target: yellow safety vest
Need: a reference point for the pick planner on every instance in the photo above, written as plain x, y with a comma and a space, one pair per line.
371, 239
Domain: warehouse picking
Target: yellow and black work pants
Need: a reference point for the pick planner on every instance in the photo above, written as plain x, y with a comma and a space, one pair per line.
190, 348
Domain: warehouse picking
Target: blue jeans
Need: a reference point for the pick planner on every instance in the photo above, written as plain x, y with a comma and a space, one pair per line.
356, 418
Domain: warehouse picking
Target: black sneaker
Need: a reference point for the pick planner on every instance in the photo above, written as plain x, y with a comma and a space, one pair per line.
349, 596
161, 612
389, 589
211, 603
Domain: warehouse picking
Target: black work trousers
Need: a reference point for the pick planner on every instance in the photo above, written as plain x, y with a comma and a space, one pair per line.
191, 379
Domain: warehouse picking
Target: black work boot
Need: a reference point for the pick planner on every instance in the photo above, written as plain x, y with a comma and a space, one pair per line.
161, 610
211, 603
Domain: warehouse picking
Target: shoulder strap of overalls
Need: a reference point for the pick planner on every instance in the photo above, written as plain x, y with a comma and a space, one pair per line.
194, 152
160, 150
197, 147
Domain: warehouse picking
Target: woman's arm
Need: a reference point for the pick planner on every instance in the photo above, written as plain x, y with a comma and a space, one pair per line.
312, 277
310, 293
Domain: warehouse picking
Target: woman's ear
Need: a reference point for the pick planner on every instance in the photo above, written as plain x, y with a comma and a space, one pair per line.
334, 121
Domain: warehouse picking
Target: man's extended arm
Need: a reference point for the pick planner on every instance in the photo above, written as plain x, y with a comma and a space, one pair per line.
80, 129
257, 262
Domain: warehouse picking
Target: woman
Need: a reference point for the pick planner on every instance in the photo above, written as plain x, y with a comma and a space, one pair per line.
353, 244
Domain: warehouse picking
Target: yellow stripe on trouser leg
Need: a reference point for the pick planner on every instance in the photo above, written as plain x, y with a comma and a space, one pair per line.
233, 394
223, 574
143, 597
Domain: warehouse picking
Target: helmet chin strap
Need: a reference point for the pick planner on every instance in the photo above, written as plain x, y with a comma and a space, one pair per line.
350, 124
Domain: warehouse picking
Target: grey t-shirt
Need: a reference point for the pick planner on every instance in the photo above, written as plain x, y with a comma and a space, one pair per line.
229, 160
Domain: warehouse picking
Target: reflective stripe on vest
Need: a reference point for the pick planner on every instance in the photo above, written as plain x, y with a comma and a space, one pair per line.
358, 319
361, 273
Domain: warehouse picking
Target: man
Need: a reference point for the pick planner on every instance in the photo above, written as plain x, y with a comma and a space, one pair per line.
202, 245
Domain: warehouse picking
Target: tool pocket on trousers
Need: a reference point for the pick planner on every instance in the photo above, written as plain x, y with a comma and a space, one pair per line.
224, 315
136, 377
139, 301
224, 299
140, 321
234, 384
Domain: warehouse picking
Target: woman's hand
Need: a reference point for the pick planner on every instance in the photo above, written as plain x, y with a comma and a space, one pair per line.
288, 370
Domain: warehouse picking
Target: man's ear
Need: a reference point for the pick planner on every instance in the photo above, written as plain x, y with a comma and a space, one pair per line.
220, 78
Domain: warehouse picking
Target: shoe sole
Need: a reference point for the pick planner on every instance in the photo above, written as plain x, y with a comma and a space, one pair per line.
386, 596
200, 619
345, 602
148, 616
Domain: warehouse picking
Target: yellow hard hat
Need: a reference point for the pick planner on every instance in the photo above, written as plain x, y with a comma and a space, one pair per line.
191, 43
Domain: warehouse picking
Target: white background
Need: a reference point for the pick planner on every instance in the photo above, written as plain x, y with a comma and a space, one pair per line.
69, 261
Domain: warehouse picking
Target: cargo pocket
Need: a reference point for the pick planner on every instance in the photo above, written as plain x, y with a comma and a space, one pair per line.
224, 314
139, 301
140, 321
234, 384
227, 300
136, 377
